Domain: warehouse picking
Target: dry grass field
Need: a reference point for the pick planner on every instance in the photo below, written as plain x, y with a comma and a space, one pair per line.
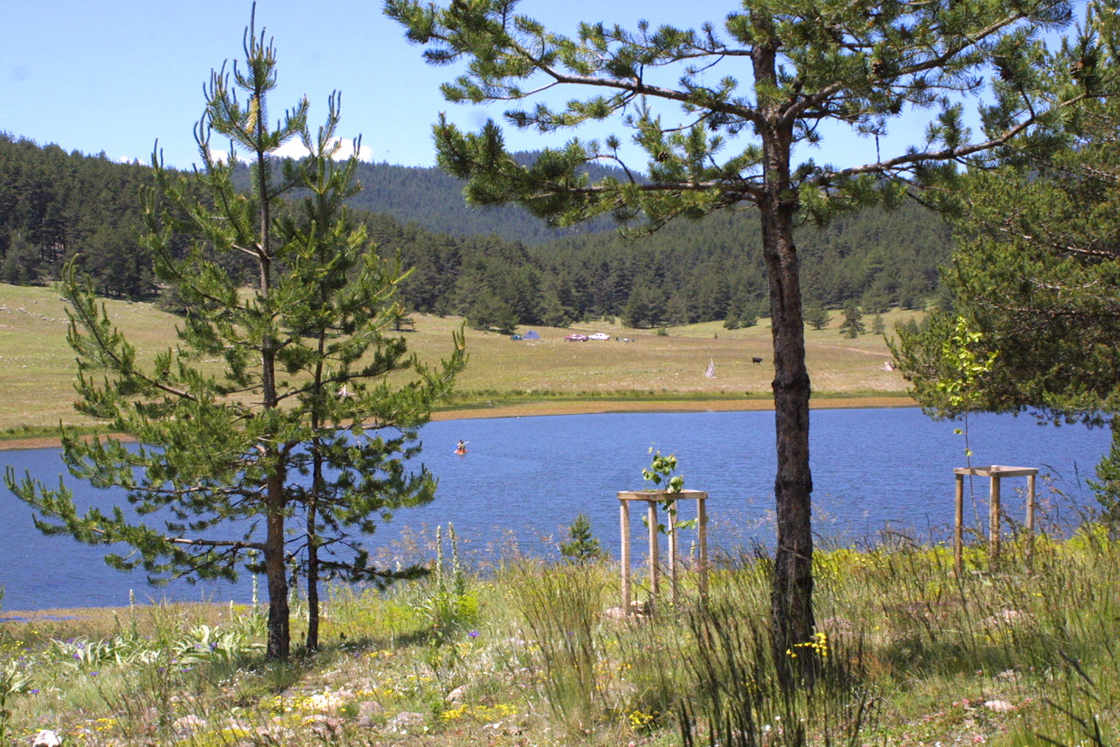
548, 375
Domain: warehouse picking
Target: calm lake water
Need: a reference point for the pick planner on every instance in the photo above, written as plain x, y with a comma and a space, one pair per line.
524, 480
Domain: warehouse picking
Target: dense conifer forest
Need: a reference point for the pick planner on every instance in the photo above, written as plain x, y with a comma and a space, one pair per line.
497, 267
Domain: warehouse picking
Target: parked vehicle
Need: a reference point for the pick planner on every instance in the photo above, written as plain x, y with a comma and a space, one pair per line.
576, 337
599, 336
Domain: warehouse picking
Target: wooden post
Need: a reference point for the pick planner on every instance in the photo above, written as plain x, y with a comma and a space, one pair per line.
958, 539
995, 474
993, 519
654, 555
674, 547
624, 509
651, 499
702, 539
1030, 521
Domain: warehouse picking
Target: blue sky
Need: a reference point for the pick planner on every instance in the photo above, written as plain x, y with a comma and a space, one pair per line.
117, 75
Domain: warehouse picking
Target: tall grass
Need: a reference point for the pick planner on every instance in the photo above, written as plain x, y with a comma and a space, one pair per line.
907, 653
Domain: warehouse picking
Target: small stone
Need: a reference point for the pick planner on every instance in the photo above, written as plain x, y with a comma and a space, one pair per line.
327, 728
46, 738
187, 725
999, 706
406, 719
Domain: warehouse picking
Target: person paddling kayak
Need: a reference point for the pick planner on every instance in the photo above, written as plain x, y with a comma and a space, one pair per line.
461, 448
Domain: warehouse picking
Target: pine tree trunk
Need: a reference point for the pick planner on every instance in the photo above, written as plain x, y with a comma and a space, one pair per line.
791, 595
279, 635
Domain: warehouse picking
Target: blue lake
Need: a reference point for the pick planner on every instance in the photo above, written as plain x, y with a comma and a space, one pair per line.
524, 480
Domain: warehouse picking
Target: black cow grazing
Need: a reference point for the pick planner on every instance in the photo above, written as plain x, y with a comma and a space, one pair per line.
756, 361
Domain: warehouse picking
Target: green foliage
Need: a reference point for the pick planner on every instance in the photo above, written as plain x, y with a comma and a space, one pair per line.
446, 602
878, 326
662, 469
1107, 485
430, 198
560, 606
230, 644
852, 326
738, 699
965, 365
13, 682
1036, 263
816, 316
948, 362
298, 424
55, 206
582, 545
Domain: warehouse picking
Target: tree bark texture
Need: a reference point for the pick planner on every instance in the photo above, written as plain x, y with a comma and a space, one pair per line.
791, 594
279, 635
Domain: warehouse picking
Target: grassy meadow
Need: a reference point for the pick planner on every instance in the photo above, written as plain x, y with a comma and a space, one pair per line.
37, 366
510, 651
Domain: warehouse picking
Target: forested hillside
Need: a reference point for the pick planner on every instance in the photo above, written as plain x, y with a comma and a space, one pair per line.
713, 269
491, 266
54, 204
433, 199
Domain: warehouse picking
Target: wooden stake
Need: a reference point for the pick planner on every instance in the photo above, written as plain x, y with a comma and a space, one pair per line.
624, 508
674, 548
1030, 521
702, 538
958, 539
654, 555
993, 520
651, 499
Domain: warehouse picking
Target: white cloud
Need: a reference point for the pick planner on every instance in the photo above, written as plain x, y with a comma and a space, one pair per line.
294, 149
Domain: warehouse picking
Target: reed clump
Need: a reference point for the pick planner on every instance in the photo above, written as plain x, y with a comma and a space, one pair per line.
537, 652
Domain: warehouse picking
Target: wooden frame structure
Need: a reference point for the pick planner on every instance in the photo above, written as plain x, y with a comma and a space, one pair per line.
652, 498
995, 473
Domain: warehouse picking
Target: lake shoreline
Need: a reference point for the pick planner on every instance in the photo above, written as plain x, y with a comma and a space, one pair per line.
586, 407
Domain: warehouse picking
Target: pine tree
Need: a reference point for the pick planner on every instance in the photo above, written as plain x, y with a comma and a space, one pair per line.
852, 326
804, 63
1107, 484
816, 316
878, 326
582, 545
274, 409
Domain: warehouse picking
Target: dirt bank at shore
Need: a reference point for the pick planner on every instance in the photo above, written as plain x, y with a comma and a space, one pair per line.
584, 407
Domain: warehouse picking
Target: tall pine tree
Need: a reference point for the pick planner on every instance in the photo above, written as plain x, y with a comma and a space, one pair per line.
274, 411
777, 73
